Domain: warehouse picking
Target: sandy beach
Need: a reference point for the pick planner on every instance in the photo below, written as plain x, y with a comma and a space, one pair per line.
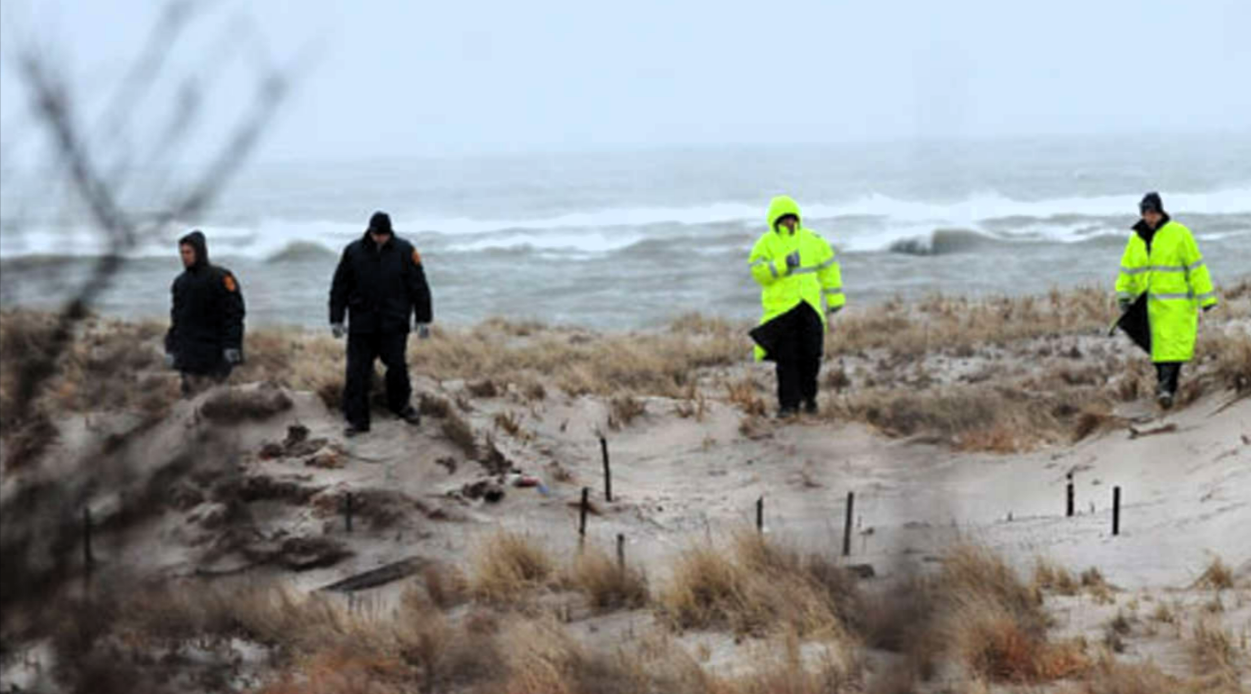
955, 423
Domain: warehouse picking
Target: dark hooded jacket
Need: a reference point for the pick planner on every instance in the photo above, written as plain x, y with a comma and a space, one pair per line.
207, 314
380, 287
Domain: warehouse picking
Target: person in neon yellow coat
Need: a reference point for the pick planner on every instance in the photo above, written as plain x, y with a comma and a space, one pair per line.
1162, 262
795, 269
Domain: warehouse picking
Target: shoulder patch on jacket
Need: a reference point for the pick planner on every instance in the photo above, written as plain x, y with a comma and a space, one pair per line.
416, 257
229, 280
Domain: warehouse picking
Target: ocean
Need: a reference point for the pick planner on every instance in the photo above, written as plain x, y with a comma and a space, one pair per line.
632, 239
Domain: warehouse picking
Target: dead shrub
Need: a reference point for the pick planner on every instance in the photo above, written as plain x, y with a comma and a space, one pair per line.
509, 565
1217, 576
624, 410
606, 584
1214, 654
510, 423
1048, 576
995, 624
758, 588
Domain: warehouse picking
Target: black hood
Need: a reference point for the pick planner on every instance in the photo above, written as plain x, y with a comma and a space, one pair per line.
1146, 233
197, 241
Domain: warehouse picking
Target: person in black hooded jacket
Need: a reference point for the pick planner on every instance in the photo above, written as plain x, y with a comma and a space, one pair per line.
205, 338
381, 286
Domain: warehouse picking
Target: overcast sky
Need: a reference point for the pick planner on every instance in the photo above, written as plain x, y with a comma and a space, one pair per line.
403, 78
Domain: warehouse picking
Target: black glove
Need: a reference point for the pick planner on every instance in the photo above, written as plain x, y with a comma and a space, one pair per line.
1209, 307
792, 261
1123, 304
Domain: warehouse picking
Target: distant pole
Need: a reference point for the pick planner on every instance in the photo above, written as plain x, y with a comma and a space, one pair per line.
347, 511
586, 502
1069, 508
851, 504
760, 514
621, 551
603, 446
1116, 511
88, 557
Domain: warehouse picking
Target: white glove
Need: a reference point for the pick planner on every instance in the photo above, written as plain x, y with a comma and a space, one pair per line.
337, 330
423, 331
232, 356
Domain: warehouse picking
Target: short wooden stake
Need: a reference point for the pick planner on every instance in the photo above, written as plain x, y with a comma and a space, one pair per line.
760, 514
347, 511
1116, 511
1069, 506
621, 551
586, 502
603, 446
88, 557
851, 504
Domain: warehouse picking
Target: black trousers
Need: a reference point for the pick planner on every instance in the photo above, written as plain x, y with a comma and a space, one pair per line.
362, 350
798, 356
1167, 373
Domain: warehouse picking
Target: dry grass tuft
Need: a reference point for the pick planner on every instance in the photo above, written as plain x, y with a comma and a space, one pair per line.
1218, 576
624, 410
1112, 677
1048, 576
758, 588
509, 565
109, 366
744, 394
510, 423
1214, 653
606, 584
995, 624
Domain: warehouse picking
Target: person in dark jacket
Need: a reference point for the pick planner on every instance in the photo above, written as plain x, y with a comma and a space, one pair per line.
379, 284
205, 338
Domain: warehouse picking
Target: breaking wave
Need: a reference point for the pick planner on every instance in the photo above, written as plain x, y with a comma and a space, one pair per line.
871, 223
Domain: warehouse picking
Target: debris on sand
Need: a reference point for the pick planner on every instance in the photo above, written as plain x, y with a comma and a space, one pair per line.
1166, 429
380, 576
449, 463
299, 553
235, 405
318, 452
489, 491
326, 460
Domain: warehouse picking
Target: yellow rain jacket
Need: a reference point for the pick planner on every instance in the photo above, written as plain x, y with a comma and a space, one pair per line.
818, 273
1168, 267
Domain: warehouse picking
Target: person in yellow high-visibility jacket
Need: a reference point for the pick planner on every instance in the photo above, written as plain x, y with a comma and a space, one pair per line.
1162, 262
796, 269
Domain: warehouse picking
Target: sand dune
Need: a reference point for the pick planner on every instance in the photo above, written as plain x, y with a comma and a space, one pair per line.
253, 481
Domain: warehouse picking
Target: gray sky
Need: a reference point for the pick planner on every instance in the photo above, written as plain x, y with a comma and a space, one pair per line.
402, 78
